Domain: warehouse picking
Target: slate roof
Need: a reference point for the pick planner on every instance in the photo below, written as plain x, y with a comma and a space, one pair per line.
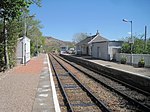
91, 39
86, 40
98, 38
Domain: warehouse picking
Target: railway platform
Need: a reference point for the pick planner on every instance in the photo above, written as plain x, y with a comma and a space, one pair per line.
119, 66
29, 88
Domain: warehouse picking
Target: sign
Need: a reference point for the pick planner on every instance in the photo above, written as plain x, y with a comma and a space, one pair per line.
131, 41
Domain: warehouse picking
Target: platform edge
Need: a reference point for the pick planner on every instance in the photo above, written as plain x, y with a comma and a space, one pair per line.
55, 99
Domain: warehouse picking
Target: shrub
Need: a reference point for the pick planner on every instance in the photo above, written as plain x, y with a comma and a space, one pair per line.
123, 60
141, 62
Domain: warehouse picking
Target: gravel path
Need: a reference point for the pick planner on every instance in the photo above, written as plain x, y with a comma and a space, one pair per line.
18, 86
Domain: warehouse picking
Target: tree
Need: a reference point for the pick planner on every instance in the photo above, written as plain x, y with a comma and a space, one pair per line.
126, 48
9, 11
147, 51
14, 30
79, 37
34, 33
138, 46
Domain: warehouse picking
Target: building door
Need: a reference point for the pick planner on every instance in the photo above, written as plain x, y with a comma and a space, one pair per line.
87, 50
114, 51
98, 56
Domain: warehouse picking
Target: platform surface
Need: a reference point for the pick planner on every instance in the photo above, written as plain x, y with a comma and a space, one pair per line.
28, 88
119, 66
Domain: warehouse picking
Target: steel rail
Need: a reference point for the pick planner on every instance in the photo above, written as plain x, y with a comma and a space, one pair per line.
137, 103
99, 103
67, 102
117, 80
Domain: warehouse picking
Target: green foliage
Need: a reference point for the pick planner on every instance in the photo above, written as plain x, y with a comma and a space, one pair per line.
14, 28
123, 59
138, 47
147, 51
35, 35
141, 62
11, 28
11, 9
126, 48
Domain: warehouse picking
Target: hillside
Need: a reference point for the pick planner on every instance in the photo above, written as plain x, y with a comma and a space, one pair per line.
53, 43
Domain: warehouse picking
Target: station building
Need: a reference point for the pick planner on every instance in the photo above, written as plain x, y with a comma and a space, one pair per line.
99, 47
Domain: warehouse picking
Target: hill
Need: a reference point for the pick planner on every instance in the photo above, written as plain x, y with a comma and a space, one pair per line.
55, 44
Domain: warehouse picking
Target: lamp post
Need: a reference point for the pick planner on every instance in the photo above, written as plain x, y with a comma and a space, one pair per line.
131, 40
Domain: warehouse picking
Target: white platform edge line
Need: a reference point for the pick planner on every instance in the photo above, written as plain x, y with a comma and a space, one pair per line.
55, 99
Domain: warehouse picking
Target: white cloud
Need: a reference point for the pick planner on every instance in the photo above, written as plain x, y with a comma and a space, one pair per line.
129, 33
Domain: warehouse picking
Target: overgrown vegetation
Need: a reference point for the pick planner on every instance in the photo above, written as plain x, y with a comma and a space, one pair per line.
12, 19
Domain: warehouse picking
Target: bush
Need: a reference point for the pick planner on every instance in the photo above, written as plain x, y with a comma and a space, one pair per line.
123, 60
141, 62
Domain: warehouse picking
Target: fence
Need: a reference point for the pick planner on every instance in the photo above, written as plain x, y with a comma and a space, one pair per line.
134, 58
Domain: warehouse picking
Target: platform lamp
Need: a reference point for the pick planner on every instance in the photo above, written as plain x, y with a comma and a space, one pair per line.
131, 41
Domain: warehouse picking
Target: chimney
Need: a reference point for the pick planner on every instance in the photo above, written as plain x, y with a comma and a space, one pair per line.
97, 33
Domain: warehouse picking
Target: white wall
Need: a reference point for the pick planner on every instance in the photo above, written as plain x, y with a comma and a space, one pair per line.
103, 50
84, 49
90, 49
78, 49
112, 50
27, 52
19, 51
23, 50
134, 58
107, 49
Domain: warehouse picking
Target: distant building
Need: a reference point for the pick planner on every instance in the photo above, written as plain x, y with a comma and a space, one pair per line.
23, 50
98, 47
84, 47
63, 49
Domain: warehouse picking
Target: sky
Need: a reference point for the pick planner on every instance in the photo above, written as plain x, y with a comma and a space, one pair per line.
62, 19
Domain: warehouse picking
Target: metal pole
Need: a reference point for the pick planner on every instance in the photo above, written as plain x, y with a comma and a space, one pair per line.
131, 37
145, 37
130, 42
131, 45
25, 25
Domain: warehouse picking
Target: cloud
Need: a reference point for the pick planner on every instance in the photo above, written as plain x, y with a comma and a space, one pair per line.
129, 33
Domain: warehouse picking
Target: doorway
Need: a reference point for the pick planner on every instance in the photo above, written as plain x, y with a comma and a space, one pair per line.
98, 55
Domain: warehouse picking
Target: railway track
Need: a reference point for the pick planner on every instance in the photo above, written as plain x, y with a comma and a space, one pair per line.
76, 96
137, 97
